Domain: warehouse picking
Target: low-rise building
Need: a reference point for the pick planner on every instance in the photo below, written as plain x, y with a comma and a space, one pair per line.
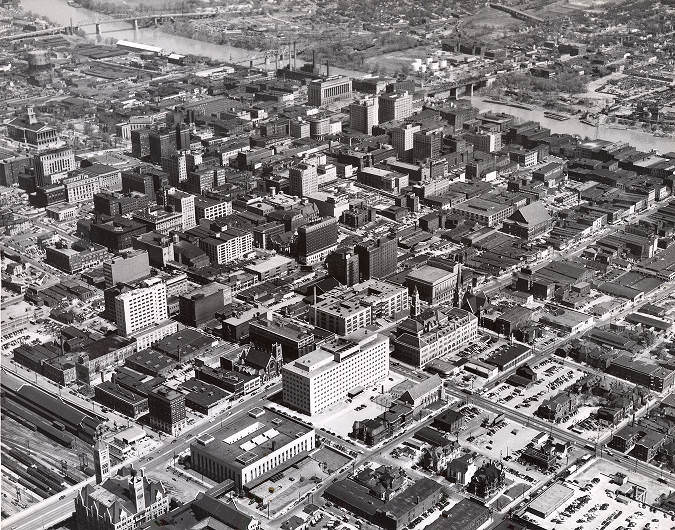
433, 333
252, 448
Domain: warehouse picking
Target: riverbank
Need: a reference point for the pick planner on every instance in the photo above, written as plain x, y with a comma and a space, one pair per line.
641, 140
58, 12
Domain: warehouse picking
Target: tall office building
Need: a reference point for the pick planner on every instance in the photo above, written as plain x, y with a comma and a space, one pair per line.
363, 115
316, 240
182, 137
397, 106
427, 144
343, 265
485, 141
163, 144
402, 139
185, 204
323, 377
141, 307
167, 410
303, 179
128, 266
56, 161
140, 143
176, 167
328, 90
377, 259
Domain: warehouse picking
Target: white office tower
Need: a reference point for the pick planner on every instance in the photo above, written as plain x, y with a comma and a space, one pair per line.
185, 204
303, 179
142, 307
324, 377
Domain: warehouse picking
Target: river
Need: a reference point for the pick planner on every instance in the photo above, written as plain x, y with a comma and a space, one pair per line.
60, 13
639, 139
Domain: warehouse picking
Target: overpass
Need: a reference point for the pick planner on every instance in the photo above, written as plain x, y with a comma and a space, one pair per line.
156, 18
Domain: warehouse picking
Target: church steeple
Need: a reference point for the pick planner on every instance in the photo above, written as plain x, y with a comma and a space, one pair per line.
415, 308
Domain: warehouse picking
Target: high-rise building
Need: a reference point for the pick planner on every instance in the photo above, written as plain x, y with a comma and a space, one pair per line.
363, 115
343, 265
138, 182
377, 259
176, 167
328, 90
402, 139
323, 377
54, 162
199, 306
316, 240
141, 307
128, 266
303, 179
167, 410
485, 141
162, 144
11, 168
427, 144
185, 204
140, 143
183, 137
396, 106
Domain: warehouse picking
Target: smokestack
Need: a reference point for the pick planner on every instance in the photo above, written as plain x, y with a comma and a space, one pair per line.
313, 59
294, 57
327, 69
314, 296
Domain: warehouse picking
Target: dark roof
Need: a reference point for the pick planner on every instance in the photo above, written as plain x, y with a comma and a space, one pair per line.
462, 515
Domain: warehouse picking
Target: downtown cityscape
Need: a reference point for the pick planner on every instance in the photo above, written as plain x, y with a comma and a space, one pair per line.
351, 265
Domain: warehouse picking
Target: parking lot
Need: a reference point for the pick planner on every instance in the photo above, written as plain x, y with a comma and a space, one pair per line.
501, 439
552, 378
596, 505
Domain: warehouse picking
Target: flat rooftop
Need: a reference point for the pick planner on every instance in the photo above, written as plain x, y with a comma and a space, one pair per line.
329, 354
551, 499
248, 439
429, 274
